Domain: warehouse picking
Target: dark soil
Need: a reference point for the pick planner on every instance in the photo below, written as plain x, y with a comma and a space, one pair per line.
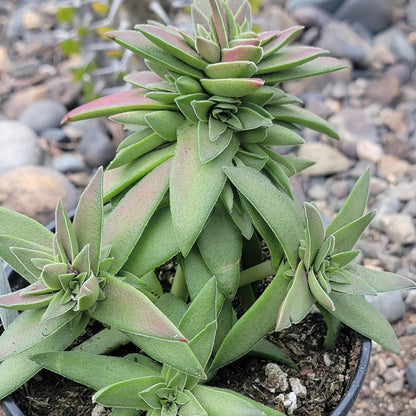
324, 375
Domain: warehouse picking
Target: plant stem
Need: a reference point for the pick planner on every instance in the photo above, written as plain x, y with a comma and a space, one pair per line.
257, 272
333, 326
179, 288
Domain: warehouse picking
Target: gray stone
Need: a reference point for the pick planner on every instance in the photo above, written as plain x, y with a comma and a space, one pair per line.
35, 190
43, 114
96, 147
400, 228
311, 16
68, 162
383, 90
19, 146
390, 305
411, 300
379, 19
328, 159
55, 135
411, 12
353, 126
394, 379
341, 41
411, 375
398, 43
328, 5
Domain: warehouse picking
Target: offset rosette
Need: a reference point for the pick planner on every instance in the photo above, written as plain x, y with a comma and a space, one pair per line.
326, 275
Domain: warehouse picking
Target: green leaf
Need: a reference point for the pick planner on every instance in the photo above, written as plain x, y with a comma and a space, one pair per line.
355, 285
28, 330
124, 394
320, 65
315, 234
203, 343
16, 370
185, 105
23, 300
208, 49
165, 123
242, 53
347, 236
157, 245
208, 149
266, 349
251, 119
278, 135
298, 301
119, 102
222, 255
192, 407
355, 312
95, 371
137, 42
233, 87
379, 280
281, 39
274, 206
194, 186
173, 44
137, 149
218, 402
297, 115
235, 69
88, 220
318, 292
175, 354
118, 230
30, 259
118, 179
288, 58
343, 259
131, 311
354, 206
187, 85
254, 324
196, 272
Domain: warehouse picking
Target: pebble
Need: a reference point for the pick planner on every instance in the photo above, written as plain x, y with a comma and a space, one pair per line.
35, 190
400, 228
20, 146
411, 375
328, 159
276, 378
390, 305
70, 162
297, 387
328, 5
392, 168
382, 91
379, 19
343, 42
43, 114
394, 379
411, 300
369, 151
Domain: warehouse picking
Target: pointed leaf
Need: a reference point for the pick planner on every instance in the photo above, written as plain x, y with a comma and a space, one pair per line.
95, 371
347, 236
269, 350
138, 43
119, 102
355, 286
165, 123
355, 312
297, 115
216, 128
298, 301
278, 135
16, 370
29, 257
118, 179
129, 310
191, 199
354, 206
280, 40
220, 22
208, 49
118, 231
318, 66
124, 394
380, 281
28, 330
175, 354
234, 87
173, 44
184, 104
20, 226
288, 58
315, 234
343, 259
242, 53
273, 205
318, 292
218, 401
187, 85
17, 300
157, 244
254, 324
222, 255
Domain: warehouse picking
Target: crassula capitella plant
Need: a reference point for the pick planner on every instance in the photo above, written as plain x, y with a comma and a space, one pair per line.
197, 182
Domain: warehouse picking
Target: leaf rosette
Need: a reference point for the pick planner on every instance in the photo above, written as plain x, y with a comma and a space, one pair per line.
209, 100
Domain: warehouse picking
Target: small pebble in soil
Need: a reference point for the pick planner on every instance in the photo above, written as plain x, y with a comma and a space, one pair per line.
297, 387
276, 378
290, 402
